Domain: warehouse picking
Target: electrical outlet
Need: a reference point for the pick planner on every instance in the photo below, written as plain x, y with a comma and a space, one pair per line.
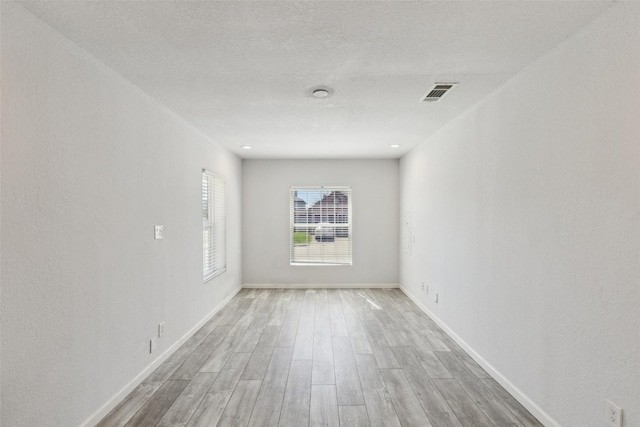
158, 232
152, 345
160, 329
613, 414
422, 286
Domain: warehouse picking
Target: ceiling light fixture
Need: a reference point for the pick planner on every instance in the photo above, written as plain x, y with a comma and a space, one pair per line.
320, 93
395, 146
246, 147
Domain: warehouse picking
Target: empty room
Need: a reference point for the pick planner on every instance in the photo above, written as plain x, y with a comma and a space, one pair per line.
320, 213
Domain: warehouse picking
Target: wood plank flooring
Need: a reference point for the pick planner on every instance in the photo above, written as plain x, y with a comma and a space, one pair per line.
320, 357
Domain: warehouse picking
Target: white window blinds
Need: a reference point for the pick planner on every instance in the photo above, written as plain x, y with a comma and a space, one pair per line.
213, 225
320, 226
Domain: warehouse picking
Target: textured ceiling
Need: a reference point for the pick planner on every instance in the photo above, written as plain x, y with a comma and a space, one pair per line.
242, 72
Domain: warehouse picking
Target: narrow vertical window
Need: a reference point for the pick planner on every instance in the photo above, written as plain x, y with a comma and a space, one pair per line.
320, 225
213, 226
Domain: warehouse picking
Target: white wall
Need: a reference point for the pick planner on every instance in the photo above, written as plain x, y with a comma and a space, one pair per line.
265, 221
89, 165
526, 215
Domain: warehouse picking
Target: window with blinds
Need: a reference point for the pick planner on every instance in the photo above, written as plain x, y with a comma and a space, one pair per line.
214, 259
320, 226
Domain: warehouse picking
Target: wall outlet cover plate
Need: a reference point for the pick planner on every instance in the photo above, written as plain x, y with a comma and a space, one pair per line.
613, 414
158, 231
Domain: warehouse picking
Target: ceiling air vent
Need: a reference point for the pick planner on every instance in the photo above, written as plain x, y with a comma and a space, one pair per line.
438, 91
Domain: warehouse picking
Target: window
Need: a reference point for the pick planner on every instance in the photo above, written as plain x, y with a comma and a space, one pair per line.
214, 249
320, 226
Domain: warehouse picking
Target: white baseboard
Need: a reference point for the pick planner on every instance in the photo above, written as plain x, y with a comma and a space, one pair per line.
531, 406
119, 396
319, 286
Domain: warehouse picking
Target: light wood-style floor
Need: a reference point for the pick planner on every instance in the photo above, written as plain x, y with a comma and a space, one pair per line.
354, 357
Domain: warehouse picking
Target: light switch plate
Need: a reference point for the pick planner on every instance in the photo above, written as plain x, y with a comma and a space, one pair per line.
159, 232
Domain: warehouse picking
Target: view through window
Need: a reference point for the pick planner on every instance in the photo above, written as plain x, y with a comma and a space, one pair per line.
320, 223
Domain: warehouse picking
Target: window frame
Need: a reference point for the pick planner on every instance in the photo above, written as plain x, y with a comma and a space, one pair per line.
213, 210
316, 219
